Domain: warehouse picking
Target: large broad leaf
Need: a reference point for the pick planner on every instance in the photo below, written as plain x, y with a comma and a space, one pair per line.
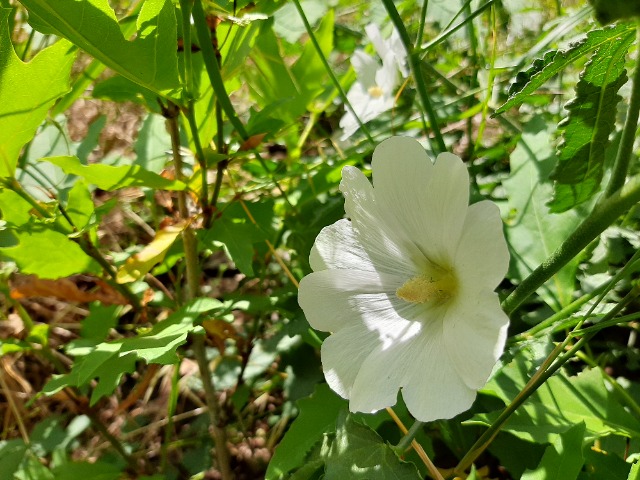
48, 254
27, 91
359, 453
559, 404
108, 361
317, 416
149, 60
592, 118
533, 233
563, 459
554, 62
109, 177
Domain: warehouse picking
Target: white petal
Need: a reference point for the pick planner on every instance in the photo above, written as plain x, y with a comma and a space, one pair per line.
433, 389
475, 331
333, 299
482, 258
373, 32
388, 250
387, 75
343, 353
365, 66
428, 201
384, 371
337, 247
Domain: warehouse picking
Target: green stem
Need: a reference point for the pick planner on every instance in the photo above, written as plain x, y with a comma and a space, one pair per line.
405, 441
414, 64
213, 69
625, 151
329, 70
193, 290
551, 365
423, 20
602, 216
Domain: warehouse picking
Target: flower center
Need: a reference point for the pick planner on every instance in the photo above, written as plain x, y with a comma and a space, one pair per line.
428, 288
375, 91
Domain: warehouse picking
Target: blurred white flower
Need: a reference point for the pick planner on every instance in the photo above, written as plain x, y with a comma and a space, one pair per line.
373, 91
407, 286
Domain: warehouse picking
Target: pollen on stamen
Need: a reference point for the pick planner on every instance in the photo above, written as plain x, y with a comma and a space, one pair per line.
422, 289
375, 91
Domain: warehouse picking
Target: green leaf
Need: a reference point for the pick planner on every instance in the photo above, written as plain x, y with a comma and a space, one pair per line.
563, 459
149, 60
110, 178
554, 62
94, 471
11, 455
359, 453
80, 207
634, 474
533, 233
592, 118
63, 257
559, 404
317, 416
237, 234
27, 90
15, 209
108, 361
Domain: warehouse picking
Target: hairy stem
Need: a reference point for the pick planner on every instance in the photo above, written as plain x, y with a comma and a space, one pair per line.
625, 151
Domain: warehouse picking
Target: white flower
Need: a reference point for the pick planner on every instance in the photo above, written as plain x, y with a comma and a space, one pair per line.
373, 91
407, 286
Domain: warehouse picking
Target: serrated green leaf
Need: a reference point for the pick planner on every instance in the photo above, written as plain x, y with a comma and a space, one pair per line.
554, 62
108, 361
149, 60
27, 90
585, 132
110, 178
533, 233
63, 256
563, 459
559, 404
317, 416
360, 453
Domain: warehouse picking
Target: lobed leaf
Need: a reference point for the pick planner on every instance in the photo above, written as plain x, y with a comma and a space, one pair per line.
554, 62
592, 118
109, 361
149, 60
27, 91
110, 178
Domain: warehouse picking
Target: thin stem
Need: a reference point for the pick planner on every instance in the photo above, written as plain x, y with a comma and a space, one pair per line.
423, 20
625, 151
602, 216
414, 64
193, 290
189, 113
405, 441
329, 70
551, 365
213, 69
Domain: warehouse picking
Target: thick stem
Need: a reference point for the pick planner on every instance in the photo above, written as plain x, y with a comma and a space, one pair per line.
193, 289
592, 226
414, 64
625, 151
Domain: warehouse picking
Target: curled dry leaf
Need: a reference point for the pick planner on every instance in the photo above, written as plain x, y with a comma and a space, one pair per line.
77, 288
218, 331
252, 142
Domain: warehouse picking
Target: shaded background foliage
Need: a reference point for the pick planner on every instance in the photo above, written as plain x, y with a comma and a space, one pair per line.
106, 336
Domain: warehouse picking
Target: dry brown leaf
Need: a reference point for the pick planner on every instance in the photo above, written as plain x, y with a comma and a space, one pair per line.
67, 289
252, 142
218, 331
